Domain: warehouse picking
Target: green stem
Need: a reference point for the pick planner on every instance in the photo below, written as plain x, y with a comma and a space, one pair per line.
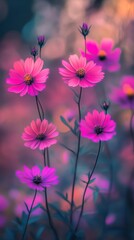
29, 213
76, 161
84, 193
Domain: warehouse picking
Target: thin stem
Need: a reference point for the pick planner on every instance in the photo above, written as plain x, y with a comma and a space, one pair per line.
76, 161
109, 191
40, 51
49, 217
44, 155
29, 213
39, 108
85, 41
84, 193
131, 128
48, 159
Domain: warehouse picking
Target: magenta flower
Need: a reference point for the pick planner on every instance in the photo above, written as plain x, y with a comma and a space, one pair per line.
40, 134
124, 95
27, 77
97, 126
103, 55
38, 179
79, 72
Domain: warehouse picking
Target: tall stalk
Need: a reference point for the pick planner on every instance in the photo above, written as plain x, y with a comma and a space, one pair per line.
84, 193
46, 163
76, 161
131, 128
29, 213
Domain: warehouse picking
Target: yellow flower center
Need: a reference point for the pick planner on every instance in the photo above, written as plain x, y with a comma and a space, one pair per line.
28, 79
102, 55
80, 73
128, 90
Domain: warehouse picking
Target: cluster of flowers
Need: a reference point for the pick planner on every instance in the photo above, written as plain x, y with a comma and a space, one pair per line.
29, 77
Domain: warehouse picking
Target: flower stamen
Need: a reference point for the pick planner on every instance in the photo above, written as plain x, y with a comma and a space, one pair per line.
80, 73
102, 55
98, 130
40, 136
37, 179
129, 91
28, 79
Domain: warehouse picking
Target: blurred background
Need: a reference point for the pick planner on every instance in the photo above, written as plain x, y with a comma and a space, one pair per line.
20, 24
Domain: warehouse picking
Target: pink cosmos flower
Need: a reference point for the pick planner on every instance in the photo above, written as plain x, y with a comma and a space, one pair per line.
124, 95
40, 134
38, 179
78, 72
103, 55
27, 77
97, 126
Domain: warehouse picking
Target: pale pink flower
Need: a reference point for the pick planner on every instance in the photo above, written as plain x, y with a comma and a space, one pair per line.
40, 134
78, 72
27, 77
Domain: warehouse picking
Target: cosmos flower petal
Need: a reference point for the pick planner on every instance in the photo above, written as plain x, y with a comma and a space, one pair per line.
73, 82
38, 65
97, 126
124, 94
92, 47
39, 87
17, 89
107, 44
28, 65
24, 91
68, 66
30, 74
40, 134
103, 55
82, 73
37, 178
74, 61
19, 67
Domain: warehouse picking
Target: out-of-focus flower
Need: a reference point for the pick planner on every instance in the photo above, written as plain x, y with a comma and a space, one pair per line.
124, 95
41, 40
27, 77
84, 29
103, 55
3, 203
110, 219
79, 72
34, 52
38, 179
40, 134
20, 207
97, 126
